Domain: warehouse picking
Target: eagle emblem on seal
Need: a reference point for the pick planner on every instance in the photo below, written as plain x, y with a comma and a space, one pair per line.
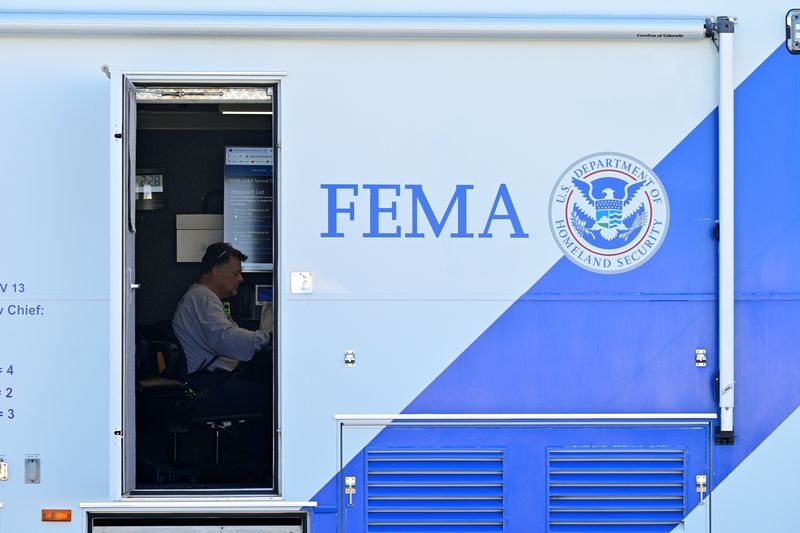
609, 208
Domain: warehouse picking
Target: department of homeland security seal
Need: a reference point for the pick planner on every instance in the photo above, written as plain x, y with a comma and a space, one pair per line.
609, 213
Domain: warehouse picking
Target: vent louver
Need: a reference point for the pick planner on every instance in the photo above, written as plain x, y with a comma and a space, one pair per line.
435, 490
615, 489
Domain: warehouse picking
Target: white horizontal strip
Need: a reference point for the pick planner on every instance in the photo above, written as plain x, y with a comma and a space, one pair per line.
528, 416
195, 503
369, 26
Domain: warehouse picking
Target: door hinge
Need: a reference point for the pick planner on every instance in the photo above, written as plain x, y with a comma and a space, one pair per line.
350, 489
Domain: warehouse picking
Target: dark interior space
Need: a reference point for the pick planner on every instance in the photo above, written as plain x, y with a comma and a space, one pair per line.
192, 162
194, 521
178, 448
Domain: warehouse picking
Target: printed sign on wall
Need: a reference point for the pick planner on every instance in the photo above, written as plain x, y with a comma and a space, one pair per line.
249, 203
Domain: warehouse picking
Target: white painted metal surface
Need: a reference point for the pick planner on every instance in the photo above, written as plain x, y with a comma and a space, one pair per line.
206, 503
529, 416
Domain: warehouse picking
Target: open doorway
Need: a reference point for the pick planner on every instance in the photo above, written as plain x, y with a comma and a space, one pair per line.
201, 170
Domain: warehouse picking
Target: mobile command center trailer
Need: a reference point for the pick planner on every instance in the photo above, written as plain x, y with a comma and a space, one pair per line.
499, 247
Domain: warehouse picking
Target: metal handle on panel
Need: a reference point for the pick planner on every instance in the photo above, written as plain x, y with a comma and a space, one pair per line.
702, 487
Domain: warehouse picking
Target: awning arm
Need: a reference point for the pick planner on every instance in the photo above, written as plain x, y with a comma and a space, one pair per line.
723, 31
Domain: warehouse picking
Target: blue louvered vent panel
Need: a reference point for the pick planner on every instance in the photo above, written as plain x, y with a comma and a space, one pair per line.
615, 489
434, 490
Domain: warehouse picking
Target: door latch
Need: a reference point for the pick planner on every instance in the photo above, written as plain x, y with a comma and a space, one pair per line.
700, 483
350, 489
700, 357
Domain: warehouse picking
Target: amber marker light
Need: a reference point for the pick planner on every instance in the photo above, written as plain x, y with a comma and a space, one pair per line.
56, 515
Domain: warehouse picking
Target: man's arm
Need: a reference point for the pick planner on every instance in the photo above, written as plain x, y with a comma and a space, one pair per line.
220, 335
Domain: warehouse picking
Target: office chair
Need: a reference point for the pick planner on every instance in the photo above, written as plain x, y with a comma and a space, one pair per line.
164, 406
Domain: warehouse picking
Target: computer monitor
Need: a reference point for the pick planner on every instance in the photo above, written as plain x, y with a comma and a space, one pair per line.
263, 293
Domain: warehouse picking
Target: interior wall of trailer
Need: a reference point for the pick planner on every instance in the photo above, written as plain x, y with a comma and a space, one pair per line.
192, 162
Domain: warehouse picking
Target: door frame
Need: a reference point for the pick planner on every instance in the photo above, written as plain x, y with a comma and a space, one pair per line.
119, 284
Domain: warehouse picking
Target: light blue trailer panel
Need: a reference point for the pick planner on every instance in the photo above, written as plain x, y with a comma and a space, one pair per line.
499, 295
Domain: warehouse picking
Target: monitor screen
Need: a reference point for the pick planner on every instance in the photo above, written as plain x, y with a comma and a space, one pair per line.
263, 294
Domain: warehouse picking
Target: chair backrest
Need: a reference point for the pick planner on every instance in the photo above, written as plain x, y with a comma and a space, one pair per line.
161, 354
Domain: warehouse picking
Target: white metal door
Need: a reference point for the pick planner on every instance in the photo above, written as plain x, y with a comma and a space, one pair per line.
129, 285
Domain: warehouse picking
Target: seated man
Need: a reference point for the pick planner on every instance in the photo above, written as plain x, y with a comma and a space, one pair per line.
213, 343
